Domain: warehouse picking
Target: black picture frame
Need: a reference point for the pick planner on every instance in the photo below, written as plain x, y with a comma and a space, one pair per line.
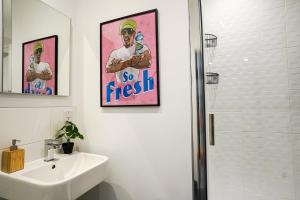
155, 11
55, 62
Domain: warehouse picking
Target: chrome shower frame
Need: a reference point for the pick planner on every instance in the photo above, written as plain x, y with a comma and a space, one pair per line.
198, 101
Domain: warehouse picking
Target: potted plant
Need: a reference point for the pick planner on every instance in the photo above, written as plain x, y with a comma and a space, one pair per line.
68, 131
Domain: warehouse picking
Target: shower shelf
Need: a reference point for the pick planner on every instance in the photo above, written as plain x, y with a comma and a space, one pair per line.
212, 78
210, 40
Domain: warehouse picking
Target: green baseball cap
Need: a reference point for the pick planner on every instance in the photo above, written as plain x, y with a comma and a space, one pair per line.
38, 45
128, 23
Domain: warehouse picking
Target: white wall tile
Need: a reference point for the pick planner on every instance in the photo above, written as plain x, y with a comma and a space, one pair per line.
228, 121
294, 79
225, 171
293, 21
253, 165
26, 124
294, 122
295, 100
32, 126
271, 4
268, 121
256, 103
291, 2
293, 57
296, 154
33, 151
58, 119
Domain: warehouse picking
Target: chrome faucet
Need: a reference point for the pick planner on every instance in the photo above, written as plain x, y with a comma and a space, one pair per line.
50, 146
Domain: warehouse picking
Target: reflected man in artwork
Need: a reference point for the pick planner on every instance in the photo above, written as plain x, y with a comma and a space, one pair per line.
38, 72
132, 56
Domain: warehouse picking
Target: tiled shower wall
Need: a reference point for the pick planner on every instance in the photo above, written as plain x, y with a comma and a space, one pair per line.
257, 102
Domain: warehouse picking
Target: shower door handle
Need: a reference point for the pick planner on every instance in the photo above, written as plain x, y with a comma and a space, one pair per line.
211, 129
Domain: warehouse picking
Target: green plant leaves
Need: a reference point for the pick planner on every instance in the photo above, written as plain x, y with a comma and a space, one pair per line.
69, 131
59, 135
81, 136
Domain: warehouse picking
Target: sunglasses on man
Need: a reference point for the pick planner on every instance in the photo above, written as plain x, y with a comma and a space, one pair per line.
129, 31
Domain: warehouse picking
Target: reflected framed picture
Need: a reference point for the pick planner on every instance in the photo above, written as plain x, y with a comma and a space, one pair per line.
39, 66
129, 64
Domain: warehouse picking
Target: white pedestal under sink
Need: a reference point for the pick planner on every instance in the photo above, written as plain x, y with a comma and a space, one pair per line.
64, 179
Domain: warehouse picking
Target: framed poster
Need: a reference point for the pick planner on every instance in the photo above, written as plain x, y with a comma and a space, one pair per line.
129, 67
39, 66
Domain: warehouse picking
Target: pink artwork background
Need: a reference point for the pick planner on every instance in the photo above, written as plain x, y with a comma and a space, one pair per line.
111, 40
47, 56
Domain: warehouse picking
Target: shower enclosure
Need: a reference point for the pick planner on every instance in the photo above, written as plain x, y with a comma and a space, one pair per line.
245, 64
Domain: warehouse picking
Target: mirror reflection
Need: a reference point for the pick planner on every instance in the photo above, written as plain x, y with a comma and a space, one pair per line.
36, 49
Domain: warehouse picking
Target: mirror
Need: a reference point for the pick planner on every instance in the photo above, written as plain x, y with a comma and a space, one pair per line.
35, 49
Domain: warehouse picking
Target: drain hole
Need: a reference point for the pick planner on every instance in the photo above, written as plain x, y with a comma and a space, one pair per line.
53, 166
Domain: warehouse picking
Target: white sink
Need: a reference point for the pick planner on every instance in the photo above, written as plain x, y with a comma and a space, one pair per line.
65, 179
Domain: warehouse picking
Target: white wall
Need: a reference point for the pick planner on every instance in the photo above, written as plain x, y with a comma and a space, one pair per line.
149, 147
256, 104
28, 26
33, 118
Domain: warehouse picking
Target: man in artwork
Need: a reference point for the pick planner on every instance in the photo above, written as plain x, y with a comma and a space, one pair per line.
38, 72
132, 56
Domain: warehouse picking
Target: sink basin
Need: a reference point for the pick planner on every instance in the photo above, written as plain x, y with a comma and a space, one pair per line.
67, 178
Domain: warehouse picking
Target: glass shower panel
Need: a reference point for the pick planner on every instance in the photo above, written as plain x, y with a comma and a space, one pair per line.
253, 90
